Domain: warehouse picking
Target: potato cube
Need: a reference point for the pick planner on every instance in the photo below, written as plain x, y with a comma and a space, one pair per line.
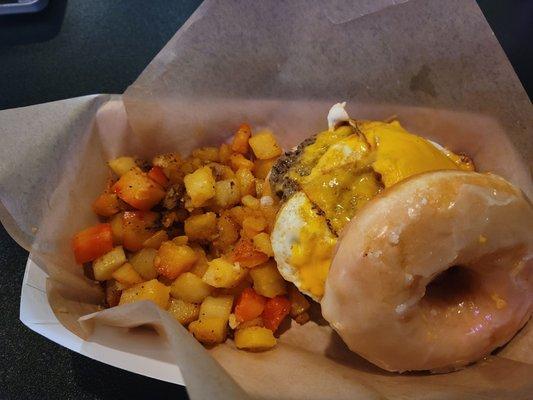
206, 154
201, 226
200, 186
106, 205
262, 243
172, 260
223, 274
127, 275
121, 165
228, 232
201, 264
156, 239
238, 213
224, 153
138, 190
236, 290
251, 226
262, 167
216, 307
190, 288
254, 338
209, 330
264, 145
227, 193
143, 263
267, 280
238, 161
250, 201
136, 228
246, 255
152, 290
184, 312
105, 265
240, 140
116, 228
246, 182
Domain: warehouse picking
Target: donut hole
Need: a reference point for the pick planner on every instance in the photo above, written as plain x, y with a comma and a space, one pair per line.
450, 287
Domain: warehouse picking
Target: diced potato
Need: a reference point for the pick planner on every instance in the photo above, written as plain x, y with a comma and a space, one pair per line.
238, 214
172, 259
201, 226
223, 274
240, 140
156, 239
184, 312
127, 275
259, 186
216, 307
209, 330
152, 290
143, 263
262, 243
206, 154
190, 288
138, 190
106, 205
299, 304
246, 182
251, 226
105, 265
200, 186
136, 228
254, 338
253, 322
224, 153
116, 228
264, 145
121, 165
250, 201
201, 264
228, 232
238, 161
181, 240
246, 255
267, 280
226, 193
263, 167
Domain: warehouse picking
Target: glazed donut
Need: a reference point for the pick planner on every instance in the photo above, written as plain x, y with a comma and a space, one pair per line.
434, 273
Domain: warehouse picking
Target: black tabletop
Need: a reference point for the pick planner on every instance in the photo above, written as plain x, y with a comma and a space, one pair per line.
79, 47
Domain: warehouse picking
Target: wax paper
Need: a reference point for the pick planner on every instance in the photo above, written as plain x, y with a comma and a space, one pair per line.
435, 65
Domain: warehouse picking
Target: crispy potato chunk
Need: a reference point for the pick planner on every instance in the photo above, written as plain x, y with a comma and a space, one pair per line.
127, 275
240, 140
254, 338
200, 186
106, 205
190, 288
143, 263
152, 290
264, 145
201, 226
226, 193
223, 274
138, 190
137, 228
121, 165
267, 280
184, 312
105, 265
172, 259
262, 243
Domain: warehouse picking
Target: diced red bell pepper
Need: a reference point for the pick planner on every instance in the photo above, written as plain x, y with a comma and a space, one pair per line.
276, 309
249, 305
158, 175
92, 242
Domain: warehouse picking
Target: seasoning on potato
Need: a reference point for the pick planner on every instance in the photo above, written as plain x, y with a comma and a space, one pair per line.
192, 235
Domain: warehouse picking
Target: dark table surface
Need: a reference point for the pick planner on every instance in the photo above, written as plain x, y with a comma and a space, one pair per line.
80, 47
